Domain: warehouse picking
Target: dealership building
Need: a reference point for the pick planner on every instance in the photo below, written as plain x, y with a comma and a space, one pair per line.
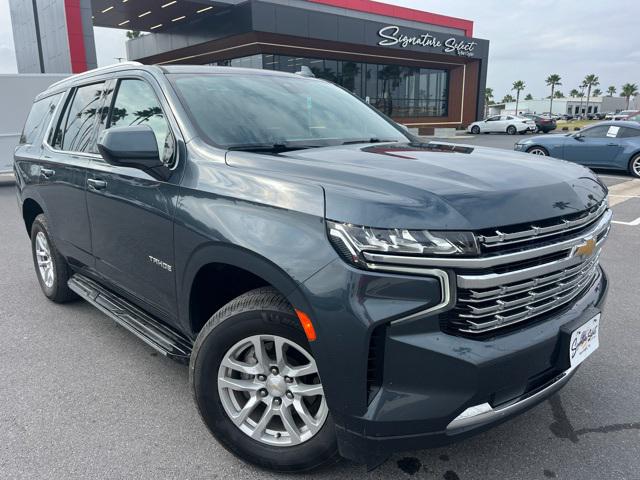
423, 69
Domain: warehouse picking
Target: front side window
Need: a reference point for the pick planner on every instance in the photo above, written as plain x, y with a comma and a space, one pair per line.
75, 131
38, 119
596, 132
233, 110
137, 104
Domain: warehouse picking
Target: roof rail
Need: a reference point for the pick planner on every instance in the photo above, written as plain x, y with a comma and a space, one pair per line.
94, 70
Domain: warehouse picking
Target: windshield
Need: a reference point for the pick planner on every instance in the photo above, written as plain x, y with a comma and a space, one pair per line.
240, 110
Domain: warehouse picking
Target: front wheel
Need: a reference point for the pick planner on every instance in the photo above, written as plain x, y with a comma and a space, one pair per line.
538, 151
634, 166
511, 130
258, 388
475, 129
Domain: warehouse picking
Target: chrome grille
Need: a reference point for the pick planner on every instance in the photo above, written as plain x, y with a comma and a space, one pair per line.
534, 232
483, 310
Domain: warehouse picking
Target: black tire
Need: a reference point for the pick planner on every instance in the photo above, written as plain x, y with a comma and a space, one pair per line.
634, 166
475, 129
511, 130
58, 291
538, 130
265, 311
543, 151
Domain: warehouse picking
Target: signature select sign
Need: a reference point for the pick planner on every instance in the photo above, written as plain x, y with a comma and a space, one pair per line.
391, 36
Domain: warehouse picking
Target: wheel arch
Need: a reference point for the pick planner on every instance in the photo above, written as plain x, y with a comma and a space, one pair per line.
230, 271
31, 208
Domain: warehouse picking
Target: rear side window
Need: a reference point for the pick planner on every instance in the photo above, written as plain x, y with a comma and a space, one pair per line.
137, 104
626, 132
75, 132
38, 119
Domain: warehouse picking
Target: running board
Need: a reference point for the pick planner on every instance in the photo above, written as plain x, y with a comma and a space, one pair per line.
155, 334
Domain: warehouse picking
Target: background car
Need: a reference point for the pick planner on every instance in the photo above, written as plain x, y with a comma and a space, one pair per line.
625, 114
510, 124
609, 115
544, 123
634, 118
611, 144
566, 116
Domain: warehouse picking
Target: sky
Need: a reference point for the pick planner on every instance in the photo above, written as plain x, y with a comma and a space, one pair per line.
529, 39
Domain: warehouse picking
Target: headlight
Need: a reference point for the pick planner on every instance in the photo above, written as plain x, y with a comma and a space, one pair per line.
350, 240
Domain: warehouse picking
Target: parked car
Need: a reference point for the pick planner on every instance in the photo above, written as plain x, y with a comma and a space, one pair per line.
609, 144
566, 116
599, 116
510, 124
609, 115
625, 114
634, 118
337, 286
543, 123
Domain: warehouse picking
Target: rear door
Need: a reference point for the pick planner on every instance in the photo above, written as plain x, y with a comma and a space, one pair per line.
66, 156
131, 212
597, 146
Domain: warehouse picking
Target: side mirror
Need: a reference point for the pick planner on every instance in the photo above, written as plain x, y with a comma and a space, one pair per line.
133, 147
578, 136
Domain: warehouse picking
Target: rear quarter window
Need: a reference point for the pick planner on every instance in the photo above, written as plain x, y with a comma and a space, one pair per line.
38, 119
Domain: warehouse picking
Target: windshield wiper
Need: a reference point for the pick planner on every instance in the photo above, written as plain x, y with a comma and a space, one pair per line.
368, 140
272, 147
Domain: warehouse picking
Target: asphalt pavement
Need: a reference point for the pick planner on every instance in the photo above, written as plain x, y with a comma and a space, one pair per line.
80, 397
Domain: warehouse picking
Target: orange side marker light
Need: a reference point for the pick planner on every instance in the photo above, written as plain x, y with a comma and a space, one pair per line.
307, 326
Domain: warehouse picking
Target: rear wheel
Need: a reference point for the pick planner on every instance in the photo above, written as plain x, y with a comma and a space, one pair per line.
51, 267
511, 130
475, 129
257, 385
634, 166
538, 151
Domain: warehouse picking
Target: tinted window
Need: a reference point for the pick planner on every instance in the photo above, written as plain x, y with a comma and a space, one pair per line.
39, 118
75, 132
493, 119
626, 132
596, 132
137, 104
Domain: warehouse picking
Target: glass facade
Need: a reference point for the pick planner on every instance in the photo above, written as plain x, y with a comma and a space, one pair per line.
396, 90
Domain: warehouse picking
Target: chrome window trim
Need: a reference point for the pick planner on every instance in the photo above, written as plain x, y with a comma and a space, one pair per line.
441, 275
487, 262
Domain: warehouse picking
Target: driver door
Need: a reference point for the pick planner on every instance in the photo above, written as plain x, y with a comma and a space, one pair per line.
131, 212
491, 124
596, 146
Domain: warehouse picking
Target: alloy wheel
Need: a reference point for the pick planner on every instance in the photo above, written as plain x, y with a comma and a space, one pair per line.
43, 257
635, 166
537, 151
270, 388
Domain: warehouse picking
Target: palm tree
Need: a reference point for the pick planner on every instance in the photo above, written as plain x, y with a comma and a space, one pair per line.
528, 97
590, 80
597, 92
488, 97
629, 90
558, 94
552, 81
581, 94
574, 93
507, 98
611, 91
131, 34
518, 86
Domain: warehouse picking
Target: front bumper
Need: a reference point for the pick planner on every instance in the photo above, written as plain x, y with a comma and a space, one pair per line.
435, 387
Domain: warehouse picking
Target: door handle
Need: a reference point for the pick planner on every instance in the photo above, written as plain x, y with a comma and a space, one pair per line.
47, 172
612, 144
96, 184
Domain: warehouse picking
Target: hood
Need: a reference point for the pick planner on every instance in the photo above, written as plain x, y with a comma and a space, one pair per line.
436, 186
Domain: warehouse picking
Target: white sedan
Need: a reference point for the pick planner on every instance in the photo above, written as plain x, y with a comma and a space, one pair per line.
510, 124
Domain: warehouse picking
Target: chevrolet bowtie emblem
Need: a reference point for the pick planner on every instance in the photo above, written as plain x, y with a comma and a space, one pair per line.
585, 249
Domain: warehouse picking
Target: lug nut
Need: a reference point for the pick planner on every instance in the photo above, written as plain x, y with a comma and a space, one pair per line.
288, 379
274, 370
277, 401
263, 392
262, 378
289, 395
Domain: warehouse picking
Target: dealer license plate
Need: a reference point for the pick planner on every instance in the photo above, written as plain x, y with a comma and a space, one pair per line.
584, 341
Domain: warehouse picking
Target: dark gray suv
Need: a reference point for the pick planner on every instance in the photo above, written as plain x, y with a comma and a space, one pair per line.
337, 286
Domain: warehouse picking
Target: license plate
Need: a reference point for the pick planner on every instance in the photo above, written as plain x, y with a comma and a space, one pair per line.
584, 341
